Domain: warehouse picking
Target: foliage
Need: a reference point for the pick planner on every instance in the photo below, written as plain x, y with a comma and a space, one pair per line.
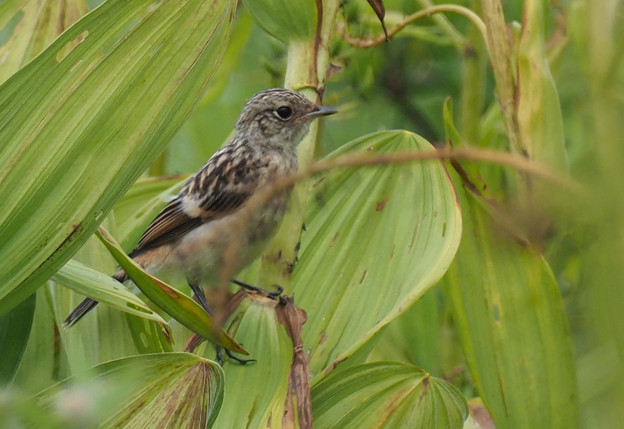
424, 293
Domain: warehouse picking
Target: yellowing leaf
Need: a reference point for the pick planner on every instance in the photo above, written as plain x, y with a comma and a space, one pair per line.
78, 127
37, 25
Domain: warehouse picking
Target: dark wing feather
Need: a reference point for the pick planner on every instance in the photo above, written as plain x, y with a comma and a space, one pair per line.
222, 203
170, 224
222, 185
173, 222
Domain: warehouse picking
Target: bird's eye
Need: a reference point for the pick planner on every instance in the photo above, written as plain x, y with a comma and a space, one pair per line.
284, 112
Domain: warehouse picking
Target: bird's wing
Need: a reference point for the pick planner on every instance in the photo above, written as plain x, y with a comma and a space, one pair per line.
170, 224
175, 220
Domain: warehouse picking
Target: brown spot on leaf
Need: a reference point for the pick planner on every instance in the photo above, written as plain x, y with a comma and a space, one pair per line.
333, 365
381, 204
334, 240
425, 384
363, 276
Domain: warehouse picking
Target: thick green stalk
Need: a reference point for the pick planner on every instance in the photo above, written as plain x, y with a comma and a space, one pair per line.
308, 61
473, 84
500, 56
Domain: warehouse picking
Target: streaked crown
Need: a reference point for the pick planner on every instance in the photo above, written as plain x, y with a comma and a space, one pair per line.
279, 115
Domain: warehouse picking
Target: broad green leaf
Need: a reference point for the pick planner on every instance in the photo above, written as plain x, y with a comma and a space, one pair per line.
376, 240
100, 112
14, 332
540, 124
103, 288
175, 390
415, 336
285, 20
38, 24
386, 395
511, 321
255, 393
175, 303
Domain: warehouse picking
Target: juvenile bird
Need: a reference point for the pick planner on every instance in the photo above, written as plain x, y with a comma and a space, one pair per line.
190, 235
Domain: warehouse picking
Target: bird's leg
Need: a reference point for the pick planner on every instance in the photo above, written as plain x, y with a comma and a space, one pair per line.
274, 295
201, 299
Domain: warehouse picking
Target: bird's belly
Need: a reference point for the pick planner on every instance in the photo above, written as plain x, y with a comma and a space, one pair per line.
221, 248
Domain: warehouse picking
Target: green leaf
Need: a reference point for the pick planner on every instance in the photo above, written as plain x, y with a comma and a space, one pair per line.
14, 333
387, 395
376, 240
175, 303
255, 393
511, 321
104, 289
415, 336
100, 112
176, 390
285, 20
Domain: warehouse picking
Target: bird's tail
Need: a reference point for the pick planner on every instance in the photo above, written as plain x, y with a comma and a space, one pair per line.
83, 308
89, 304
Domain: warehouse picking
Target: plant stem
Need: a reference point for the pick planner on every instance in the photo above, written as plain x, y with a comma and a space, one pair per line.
473, 84
306, 71
500, 56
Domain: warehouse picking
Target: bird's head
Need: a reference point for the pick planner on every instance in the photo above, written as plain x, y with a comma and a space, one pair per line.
278, 116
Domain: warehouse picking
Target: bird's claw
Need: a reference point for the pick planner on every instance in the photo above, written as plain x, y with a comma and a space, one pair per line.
276, 294
231, 355
273, 295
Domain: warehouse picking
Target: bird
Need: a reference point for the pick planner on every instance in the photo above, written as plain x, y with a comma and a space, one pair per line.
190, 235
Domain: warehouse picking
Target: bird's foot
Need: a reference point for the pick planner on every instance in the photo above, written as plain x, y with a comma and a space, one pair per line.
231, 355
273, 295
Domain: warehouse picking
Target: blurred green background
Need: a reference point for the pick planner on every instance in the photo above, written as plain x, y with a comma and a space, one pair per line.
404, 84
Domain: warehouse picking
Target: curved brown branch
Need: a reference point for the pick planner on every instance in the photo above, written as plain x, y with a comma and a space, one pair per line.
424, 13
280, 184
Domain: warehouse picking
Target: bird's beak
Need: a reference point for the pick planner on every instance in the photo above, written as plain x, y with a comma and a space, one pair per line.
320, 111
